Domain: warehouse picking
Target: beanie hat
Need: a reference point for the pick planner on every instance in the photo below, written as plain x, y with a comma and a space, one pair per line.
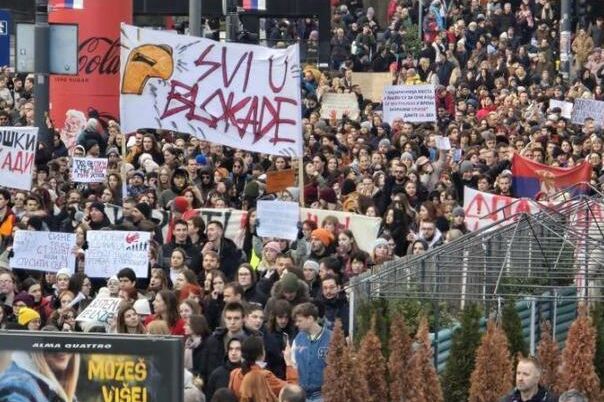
251, 190
458, 211
63, 271
180, 204
384, 142
139, 174
201, 159
348, 186
324, 235
466, 166
112, 151
312, 264
329, 195
98, 206
289, 283
310, 194
26, 315
24, 297
141, 306
273, 245
144, 209
380, 242
407, 156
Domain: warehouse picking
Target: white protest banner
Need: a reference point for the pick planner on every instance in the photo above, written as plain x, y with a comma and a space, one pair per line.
566, 107
43, 251
364, 228
484, 209
588, 108
239, 95
233, 221
412, 103
101, 309
278, 219
18, 147
111, 250
341, 104
88, 170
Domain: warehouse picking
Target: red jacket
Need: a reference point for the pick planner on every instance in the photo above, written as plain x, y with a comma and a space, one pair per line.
178, 329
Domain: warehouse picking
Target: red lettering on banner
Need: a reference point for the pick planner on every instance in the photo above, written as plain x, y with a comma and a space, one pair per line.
18, 161
276, 89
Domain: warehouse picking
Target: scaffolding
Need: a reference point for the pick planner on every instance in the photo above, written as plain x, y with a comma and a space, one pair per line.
524, 256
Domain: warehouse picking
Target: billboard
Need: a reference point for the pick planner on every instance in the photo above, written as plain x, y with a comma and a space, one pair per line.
90, 367
96, 86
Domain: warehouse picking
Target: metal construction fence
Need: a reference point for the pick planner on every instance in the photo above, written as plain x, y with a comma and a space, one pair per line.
556, 253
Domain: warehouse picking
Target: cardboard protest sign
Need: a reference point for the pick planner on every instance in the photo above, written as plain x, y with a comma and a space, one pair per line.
279, 180
278, 219
88, 170
239, 95
364, 228
411, 103
566, 107
588, 108
341, 104
161, 217
43, 251
372, 84
484, 209
18, 147
101, 309
111, 250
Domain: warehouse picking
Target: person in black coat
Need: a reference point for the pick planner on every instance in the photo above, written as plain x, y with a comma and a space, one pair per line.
197, 332
280, 331
335, 303
219, 378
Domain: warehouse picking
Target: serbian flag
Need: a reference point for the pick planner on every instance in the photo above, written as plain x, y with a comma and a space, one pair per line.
254, 4
531, 179
66, 4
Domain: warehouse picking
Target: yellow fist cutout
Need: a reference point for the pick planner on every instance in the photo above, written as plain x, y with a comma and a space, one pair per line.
144, 62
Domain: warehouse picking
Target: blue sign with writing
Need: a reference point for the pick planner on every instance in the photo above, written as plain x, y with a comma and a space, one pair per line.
5, 27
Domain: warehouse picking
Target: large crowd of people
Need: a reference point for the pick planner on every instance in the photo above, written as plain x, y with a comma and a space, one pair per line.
256, 317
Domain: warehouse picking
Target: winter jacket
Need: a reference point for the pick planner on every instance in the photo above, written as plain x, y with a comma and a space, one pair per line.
230, 258
214, 353
193, 260
275, 384
274, 343
310, 356
336, 308
302, 296
219, 378
543, 395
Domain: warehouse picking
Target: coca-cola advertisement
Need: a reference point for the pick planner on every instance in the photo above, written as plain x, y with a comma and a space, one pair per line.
95, 90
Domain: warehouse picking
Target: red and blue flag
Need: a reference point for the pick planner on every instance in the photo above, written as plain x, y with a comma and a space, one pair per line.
254, 5
532, 179
66, 4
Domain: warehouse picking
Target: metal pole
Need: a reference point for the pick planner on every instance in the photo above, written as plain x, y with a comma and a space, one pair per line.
565, 33
195, 17
419, 20
533, 347
42, 69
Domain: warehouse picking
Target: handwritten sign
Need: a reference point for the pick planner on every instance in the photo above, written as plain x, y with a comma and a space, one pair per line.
372, 84
411, 103
101, 309
364, 228
43, 251
110, 250
588, 108
279, 180
89, 170
565, 107
278, 219
239, 95
17, 156
341, 104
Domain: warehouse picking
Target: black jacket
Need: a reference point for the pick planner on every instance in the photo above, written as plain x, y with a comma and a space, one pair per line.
214, 353
193, 260
219, 379
274, 343
336, 308
543, 395
230, 258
